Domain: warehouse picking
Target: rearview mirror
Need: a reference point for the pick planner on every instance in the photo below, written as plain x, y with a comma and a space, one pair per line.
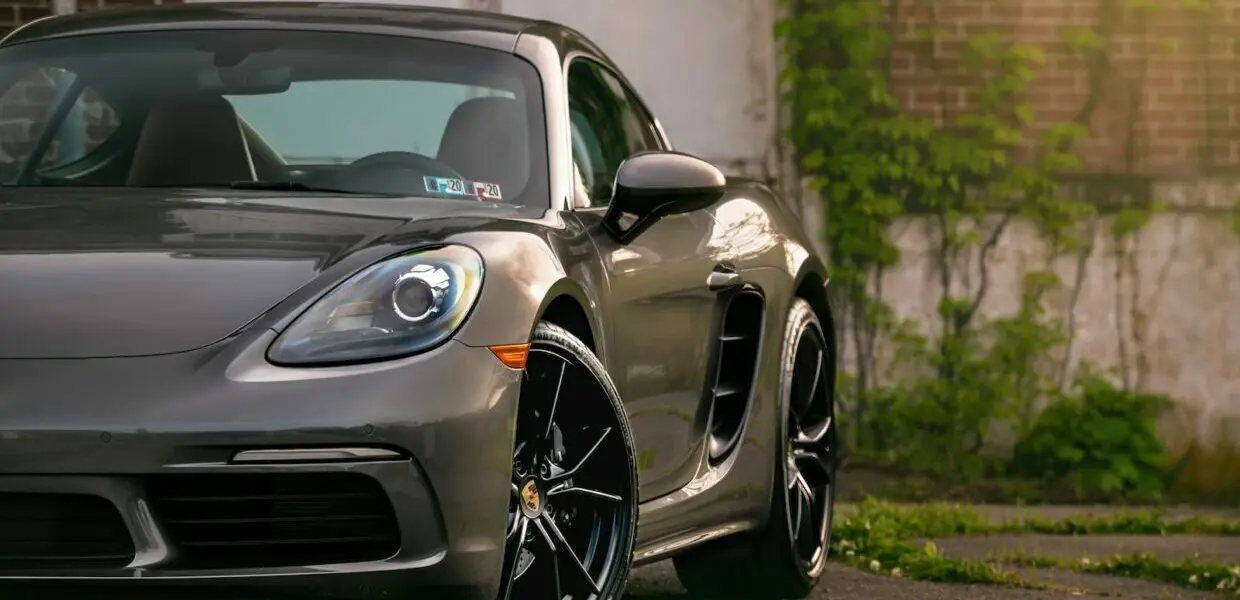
242, 80
653, 185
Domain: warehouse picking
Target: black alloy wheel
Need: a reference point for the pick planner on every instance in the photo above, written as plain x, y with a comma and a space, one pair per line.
573, 512
786, 559
810, 451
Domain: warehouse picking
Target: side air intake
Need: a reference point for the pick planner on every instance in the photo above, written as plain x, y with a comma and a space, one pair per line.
739, 340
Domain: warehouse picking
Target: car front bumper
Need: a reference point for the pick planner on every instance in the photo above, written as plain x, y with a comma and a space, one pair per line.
177, 449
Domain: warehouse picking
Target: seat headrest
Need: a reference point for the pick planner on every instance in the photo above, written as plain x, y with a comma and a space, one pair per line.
189, 141
488, 140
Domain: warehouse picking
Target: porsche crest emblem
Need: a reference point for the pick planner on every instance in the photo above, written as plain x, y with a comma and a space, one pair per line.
530, 497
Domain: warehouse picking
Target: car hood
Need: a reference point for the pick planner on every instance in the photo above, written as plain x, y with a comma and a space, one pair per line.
90, 273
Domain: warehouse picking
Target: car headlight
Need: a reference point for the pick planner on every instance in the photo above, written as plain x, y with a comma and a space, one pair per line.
403, 305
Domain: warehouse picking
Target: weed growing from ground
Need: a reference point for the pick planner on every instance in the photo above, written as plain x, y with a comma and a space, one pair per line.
948, 520
882, 538
1188, 573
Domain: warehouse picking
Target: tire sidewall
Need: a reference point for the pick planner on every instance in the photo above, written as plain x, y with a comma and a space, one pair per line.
560, 341
800, 317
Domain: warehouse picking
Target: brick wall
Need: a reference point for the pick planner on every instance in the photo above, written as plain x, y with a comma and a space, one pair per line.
16, 12
1166, 99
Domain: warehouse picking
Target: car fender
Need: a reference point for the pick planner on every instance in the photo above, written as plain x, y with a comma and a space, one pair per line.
523, 276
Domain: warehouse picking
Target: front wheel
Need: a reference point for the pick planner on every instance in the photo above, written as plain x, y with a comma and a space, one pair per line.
573, 514
785, 560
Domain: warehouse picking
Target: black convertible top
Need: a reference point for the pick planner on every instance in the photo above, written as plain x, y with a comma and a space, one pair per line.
470, 27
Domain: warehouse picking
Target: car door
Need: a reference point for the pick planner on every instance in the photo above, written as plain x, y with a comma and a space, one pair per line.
661, 312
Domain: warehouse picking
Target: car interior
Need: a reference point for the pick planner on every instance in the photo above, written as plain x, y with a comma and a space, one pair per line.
199, 140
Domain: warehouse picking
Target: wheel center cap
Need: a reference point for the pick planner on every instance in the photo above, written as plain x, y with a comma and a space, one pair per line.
531, 499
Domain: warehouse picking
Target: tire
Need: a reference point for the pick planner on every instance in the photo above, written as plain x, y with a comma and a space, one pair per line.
776, 564
573, 516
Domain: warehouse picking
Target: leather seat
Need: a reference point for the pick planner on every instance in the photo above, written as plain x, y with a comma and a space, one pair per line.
191, 141
488, 140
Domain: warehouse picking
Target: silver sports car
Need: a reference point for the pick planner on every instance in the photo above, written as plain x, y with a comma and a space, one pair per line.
367, 299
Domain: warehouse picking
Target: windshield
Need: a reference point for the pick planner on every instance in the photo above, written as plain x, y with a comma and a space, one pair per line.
280, 110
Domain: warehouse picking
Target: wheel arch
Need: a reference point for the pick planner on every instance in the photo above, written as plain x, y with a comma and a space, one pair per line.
568, 305
811, 286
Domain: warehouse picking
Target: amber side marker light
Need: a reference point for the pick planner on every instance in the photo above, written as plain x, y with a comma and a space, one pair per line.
512, 355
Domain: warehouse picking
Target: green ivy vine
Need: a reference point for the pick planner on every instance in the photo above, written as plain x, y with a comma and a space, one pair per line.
973, 173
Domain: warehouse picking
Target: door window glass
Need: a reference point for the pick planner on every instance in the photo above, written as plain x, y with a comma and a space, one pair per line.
608, 126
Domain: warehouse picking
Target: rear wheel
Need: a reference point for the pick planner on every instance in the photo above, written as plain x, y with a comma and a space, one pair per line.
785, 560
573, 514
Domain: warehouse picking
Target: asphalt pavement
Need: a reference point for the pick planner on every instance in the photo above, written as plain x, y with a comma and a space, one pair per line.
658, 581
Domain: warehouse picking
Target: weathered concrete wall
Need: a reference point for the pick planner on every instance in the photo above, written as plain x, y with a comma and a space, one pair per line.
1160, 306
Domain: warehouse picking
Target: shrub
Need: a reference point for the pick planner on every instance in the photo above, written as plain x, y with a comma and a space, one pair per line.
1102, 439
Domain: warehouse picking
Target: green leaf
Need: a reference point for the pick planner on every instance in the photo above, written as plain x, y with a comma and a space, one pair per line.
1069, 454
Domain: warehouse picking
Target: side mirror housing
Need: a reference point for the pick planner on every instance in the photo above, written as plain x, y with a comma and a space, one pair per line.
653, 185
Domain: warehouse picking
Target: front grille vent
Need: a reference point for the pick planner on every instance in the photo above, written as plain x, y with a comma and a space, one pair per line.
275, 520
61, 531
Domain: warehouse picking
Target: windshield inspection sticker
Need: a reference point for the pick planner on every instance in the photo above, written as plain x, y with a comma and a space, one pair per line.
466, 189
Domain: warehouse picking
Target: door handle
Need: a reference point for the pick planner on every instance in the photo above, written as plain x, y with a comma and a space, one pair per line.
723, 278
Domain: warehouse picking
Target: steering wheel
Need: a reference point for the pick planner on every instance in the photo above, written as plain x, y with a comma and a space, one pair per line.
406, 160
392, 172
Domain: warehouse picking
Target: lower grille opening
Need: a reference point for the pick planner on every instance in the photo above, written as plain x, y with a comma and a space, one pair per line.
275, 520
61, 531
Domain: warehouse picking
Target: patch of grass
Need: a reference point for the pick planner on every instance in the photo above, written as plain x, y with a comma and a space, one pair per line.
1184, 573
1036, 561
877, 539
922, 521
946, 520
1146, 522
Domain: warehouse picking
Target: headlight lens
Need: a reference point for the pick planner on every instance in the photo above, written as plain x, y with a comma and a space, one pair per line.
397, 307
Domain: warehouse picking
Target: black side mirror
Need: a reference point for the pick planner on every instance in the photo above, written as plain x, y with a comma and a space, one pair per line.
653, 185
